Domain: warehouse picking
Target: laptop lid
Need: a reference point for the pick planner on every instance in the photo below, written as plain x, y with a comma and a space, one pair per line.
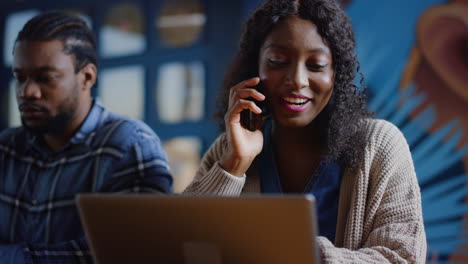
200, 229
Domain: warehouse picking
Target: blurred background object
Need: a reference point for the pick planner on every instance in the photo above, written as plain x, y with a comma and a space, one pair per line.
180, 91
123, 32
163, 61
180, 22
184, 159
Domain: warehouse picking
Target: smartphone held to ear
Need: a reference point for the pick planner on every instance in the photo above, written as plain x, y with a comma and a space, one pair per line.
249, 119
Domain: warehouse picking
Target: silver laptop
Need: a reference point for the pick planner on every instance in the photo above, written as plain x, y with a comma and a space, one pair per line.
201, 229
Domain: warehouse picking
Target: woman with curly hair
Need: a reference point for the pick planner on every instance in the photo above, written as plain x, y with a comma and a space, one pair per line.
295, 122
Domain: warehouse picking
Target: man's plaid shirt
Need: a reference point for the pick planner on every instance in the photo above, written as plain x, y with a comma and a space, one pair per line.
39, 221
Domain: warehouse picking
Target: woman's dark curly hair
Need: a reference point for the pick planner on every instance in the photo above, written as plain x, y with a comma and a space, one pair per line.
341, 121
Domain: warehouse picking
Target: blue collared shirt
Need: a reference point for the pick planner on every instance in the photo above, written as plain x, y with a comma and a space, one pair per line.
324, 184
38, 217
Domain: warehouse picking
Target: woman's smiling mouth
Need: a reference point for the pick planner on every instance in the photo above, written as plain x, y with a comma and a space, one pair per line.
296, 103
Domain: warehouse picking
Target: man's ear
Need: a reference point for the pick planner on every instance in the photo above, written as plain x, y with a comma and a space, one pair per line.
89, 74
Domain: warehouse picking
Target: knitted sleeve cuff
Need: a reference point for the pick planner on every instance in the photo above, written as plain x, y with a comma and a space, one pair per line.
219, 182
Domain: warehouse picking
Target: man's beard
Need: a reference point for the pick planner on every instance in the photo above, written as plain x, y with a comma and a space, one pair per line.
53, 125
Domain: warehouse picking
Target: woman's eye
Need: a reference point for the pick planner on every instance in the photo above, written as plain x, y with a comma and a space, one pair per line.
276, 62
316, 66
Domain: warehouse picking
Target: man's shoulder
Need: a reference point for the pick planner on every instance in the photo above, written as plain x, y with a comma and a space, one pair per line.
121, 131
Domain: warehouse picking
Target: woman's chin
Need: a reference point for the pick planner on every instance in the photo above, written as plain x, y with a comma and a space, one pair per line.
293, 122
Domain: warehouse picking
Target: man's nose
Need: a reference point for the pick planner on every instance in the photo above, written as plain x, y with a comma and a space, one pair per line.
29, 90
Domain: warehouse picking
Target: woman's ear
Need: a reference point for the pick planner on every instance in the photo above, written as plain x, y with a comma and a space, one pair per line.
89, 74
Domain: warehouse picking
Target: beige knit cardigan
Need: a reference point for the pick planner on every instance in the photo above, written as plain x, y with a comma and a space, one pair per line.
379, 212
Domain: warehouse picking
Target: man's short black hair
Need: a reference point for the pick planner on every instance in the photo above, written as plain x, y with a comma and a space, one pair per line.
77, 38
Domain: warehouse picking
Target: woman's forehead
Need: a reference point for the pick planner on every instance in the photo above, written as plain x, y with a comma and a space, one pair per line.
293, 32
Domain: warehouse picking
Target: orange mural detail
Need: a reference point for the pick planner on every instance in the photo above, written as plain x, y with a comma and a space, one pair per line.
438, 65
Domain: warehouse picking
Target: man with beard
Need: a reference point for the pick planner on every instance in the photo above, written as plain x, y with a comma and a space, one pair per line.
68, 144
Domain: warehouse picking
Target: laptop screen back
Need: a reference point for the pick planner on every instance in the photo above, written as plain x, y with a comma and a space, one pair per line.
193, 230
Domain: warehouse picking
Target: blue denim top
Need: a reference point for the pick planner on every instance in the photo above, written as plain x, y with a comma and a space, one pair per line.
324, 184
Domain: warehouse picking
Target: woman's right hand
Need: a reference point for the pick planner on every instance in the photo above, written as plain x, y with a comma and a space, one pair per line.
243, 145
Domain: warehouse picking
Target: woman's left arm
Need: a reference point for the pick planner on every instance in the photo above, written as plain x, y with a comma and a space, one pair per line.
392, 226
